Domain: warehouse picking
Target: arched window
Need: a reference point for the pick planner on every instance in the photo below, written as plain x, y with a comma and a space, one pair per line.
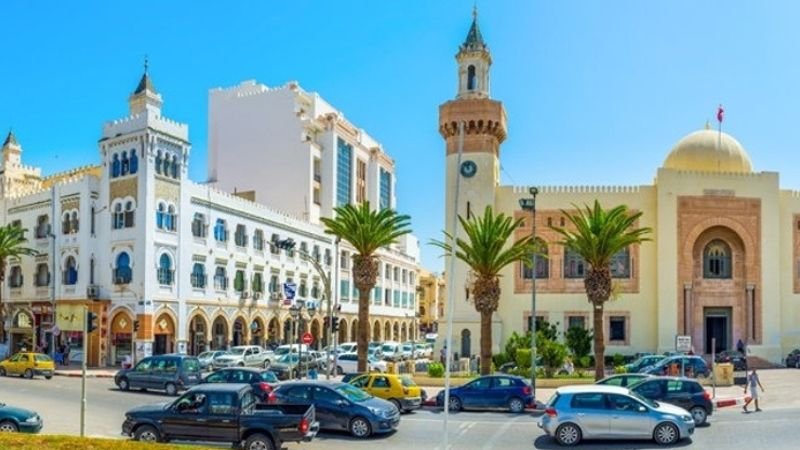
160, 212
65, 224
174, 168
165, 169
129, 214
119, 217
42, 275
472, 82
165, 270
134, 163
258, 282
238, 281
115, 166
717, 260
15, 278
125, 164
574, 265
466, 343
199, 275
158, 162
220, 233
70, 276
170, 222
621, 264
199, 225
74, 222
123, 273
220, 279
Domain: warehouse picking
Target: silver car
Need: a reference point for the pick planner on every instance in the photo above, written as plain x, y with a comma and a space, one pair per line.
611, 412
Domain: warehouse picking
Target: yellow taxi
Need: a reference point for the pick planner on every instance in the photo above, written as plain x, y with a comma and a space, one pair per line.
398, 389
28, 364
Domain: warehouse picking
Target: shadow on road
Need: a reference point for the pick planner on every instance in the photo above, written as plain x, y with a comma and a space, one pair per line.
345, 436
546, 442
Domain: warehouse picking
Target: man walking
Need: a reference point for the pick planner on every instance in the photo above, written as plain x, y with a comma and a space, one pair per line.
753, 382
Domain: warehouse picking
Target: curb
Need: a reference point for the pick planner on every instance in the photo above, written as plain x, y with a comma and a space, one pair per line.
78, 375
724, 403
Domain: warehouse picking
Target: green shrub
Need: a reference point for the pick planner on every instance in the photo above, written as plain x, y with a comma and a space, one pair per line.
500, 359
516, 341
620, 369
618, 359
523, 358
553, 356
435, 370
579, 342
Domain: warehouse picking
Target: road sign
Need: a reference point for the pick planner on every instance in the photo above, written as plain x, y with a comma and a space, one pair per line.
683, 344
308, 339
289, 290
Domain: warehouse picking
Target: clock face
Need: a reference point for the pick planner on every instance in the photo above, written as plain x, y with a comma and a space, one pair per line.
468, 168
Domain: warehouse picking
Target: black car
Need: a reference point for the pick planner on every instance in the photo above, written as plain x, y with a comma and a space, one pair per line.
737, 358
793, 359
262, 381
340, 406
222, 413
684, 392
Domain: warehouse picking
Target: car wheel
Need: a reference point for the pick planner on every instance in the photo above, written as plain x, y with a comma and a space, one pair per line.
259, 442
241, 364
516, 405
2, 372
455, 404
171, 389
124, 384
267, 364
699, 415
360, 427
47, 377
146, 433
8, 427
339, 370
28, 374
568, 434
396, 404
666, 434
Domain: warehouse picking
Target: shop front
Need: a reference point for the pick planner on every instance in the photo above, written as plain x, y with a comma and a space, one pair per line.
22, 332
163, 335
121, 338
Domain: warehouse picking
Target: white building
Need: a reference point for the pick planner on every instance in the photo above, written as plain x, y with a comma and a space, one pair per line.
137, 242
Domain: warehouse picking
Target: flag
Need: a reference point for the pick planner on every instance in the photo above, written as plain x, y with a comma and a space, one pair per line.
720, 114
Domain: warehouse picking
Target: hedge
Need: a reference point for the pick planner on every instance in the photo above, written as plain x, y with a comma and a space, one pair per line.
19, 441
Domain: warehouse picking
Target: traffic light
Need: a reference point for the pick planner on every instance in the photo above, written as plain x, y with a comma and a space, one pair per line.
91, 319
286, 244
135, 326
335, 321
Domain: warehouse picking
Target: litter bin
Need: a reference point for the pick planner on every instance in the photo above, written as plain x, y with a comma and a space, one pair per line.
723, 373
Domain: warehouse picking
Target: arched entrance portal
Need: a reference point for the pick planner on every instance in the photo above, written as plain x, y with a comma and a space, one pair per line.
343, 330
239, 329
376, 332
163, 335
257, 332
219, 334
22, 332
121, 337
288, 331
354, 330
197, 335
273, 331
396, 332
403, 333
466, 343
316, 333
387, 331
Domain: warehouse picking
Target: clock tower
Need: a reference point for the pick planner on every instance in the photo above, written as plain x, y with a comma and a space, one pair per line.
484, 128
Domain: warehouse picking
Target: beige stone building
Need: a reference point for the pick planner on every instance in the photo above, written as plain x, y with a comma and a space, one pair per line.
723, 265
431, 295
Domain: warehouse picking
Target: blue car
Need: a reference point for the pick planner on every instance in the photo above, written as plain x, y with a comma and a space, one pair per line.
490, 392
340, 406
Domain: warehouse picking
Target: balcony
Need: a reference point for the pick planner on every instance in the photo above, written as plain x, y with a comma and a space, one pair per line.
122, 275
199, 280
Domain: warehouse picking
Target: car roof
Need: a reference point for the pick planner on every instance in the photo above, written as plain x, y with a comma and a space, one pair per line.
592, 388
328, 383
668, 378
220, 387
246, 369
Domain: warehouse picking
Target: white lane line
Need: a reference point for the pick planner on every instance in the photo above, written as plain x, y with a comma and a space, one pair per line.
486, 422
501, 431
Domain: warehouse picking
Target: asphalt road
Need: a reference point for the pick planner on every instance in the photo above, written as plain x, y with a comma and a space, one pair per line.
58, 402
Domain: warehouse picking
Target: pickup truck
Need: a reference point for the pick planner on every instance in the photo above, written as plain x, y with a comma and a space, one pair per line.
244, 356
222, 413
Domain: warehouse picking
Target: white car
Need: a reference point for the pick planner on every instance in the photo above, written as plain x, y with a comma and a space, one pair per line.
348, 347
392, 351
348, 363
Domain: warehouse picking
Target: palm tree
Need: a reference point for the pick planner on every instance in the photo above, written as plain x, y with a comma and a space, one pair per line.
12, 238
597, 235
486, 252
367, 231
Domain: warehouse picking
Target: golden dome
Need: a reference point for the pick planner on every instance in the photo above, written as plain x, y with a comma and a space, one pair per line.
706, 151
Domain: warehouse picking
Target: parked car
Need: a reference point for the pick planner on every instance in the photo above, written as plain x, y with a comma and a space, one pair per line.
490, 392
693, 366
737, 358
341, 406
401, 390
348, 363
348, 347
408, 351
222, 413
684, 392
575, 413
392, 351
290, 365
793, 359
262, 381
321, 359
425, 350
171, 373
291, 348
623, 379
28, 364
207, 358
642, 362
375, 353
245, 356
13, 419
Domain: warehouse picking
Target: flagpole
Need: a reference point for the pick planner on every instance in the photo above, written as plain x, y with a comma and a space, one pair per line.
720, 117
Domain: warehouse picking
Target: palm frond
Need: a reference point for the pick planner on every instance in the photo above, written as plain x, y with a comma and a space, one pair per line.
365, 229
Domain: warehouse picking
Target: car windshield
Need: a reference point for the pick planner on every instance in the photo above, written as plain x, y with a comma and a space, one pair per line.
269, 377
288, 358
191, 365
205, 355
643, 399
407, 381
43, 358
388, 348
352, 393
237, 350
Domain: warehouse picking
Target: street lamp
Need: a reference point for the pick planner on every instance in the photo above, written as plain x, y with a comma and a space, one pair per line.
529, 204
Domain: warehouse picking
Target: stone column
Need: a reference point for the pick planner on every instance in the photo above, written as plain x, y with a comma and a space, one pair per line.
687, 309
750, 319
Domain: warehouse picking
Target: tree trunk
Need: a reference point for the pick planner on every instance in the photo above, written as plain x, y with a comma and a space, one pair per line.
3, 330
365, 275
599, 343
486, 342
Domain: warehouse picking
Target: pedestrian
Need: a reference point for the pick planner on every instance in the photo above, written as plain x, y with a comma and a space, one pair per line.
443, 355
753, 382
740, 346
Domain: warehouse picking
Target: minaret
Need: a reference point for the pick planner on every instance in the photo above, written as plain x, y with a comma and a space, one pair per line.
145, 97
16, 178
484, 122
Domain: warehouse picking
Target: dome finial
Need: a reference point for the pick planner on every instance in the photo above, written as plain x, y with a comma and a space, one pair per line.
146, 63
708, 125
475, 11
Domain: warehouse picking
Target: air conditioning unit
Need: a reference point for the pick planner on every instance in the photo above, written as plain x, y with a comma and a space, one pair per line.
256, 295
93, 291
275, 296
245, 294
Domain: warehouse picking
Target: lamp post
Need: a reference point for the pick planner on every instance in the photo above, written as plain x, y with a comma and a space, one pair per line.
529, 204
329, 293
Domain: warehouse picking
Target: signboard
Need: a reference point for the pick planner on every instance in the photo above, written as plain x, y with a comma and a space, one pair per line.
70, 317
683, 344
289, 289
308, 339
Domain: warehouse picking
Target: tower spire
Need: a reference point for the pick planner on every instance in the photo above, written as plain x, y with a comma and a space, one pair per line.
145, 96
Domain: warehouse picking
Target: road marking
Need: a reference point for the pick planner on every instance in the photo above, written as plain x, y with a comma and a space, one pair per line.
501, 431
463, 422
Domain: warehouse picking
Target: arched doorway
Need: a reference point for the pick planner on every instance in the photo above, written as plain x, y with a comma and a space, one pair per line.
288, 331
273, 331
219, 334
316, 333
466, 343
343, 330
387, 331
163, 335
376, 332
121, 337
396, 332
22, 332
354, 330
239, 329
197, 335
403, 333
257, 332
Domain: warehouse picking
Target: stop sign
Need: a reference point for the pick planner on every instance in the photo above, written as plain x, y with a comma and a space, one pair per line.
308, 339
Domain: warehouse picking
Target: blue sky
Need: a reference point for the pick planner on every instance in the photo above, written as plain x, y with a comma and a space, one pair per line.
596, 92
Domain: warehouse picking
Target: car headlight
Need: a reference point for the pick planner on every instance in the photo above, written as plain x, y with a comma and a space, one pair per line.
32, 419
687, 418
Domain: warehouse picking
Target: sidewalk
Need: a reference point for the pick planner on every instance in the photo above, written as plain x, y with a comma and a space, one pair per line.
74, 371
